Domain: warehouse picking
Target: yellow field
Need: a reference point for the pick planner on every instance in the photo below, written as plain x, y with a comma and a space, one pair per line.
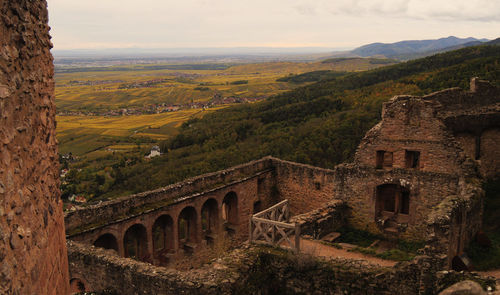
84, 134
183, 86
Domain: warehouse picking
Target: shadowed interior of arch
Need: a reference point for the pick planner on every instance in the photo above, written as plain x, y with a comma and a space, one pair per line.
107, 241
135, 242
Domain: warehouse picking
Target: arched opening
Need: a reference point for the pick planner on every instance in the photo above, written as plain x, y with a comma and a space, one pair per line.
209, 220
163, 238
392, 206
76, 286
230, 212
107, 241
135, 242
187, 228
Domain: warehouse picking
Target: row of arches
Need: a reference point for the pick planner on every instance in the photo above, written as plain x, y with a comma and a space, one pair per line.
169, 235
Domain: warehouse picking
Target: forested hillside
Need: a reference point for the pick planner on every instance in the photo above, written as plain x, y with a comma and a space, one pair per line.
320, 124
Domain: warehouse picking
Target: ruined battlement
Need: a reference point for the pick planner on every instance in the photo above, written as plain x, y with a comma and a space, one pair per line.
481, 93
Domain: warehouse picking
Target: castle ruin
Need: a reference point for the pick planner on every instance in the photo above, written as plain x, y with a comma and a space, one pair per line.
416, 175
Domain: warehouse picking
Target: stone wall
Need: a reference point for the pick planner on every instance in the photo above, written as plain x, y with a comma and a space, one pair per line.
453, 224
306, 187
100, 270
456, 100
214, 222
474, 118
410, 124
259, 270
490, 152
323, 221
32, 243
357, 187
123, 207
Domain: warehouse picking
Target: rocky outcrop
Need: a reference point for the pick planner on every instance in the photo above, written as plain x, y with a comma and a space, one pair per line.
464, 288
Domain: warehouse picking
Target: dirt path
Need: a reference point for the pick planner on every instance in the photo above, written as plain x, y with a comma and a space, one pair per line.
316, 248
492, 273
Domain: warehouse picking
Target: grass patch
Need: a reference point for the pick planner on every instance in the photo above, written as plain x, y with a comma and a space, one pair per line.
357, 237
396, 254
402, 251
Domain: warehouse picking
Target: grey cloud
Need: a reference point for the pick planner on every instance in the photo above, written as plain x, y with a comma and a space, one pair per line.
463, 10
305, 9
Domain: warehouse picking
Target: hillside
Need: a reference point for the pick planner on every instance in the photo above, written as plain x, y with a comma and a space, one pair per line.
405, 50
319, 124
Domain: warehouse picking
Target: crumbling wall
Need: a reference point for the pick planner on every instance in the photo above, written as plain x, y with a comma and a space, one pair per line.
260, 270
322, 221
33, 255
410, 124
275, 272
453, 224
357, 187
474, 118
481, 93
490, 152
100, 270
306, 187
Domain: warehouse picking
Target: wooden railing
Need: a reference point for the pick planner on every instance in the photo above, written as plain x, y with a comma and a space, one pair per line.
271, 227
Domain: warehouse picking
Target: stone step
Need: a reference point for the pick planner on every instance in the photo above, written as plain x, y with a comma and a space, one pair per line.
391, 230
331, 237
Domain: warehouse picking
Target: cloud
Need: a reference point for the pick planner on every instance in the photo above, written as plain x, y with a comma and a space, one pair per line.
206, 23
448, 10
305, 9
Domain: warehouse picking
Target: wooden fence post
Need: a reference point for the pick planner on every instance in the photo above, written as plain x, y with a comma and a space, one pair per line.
250, 230
297, 237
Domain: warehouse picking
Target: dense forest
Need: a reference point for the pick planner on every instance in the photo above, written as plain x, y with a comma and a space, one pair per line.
319, 124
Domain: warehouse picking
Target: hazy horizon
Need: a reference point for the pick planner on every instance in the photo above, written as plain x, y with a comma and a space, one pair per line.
97, 24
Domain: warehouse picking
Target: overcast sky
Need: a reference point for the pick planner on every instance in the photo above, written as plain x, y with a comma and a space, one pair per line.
257, 23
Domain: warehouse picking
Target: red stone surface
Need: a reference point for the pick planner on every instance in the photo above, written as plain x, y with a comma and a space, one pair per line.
33, 257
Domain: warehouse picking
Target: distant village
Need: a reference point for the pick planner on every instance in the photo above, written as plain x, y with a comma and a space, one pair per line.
216, 100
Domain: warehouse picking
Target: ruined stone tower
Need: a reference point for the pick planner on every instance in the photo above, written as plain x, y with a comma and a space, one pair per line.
33, 258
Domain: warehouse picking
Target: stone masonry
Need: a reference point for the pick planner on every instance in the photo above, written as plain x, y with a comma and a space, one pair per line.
33, 257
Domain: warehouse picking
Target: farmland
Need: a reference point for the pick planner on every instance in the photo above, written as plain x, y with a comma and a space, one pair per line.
99, 89
84, 134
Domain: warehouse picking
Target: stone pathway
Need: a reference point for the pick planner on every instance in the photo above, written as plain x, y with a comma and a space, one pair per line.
316, 248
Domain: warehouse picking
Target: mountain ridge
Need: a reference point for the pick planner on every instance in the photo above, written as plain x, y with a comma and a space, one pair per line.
409, 49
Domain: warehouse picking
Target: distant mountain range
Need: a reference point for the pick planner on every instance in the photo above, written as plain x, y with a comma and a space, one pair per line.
403, 50
410, 49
